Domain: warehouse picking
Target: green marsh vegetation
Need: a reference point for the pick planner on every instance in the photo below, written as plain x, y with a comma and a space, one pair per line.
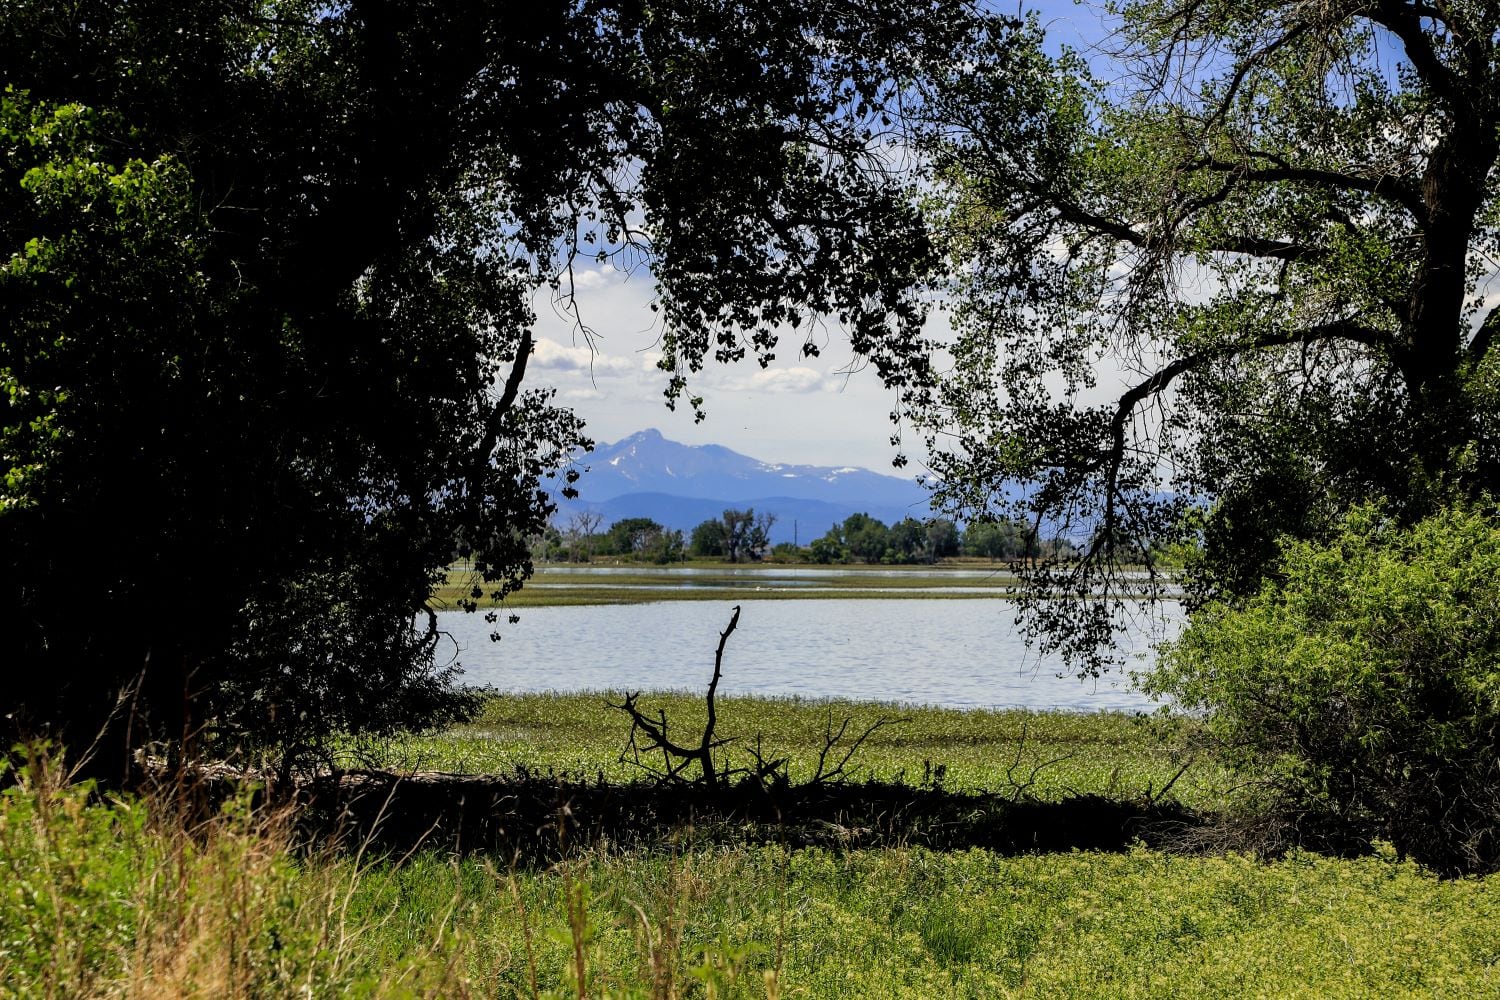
1056, 753
116, 896
627, 583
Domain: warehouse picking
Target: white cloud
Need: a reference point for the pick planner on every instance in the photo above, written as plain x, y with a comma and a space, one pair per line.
777, 380
583, 394
587, 278
553, 356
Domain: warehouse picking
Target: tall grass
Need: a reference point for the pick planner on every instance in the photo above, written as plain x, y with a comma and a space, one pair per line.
104, 896
111, 896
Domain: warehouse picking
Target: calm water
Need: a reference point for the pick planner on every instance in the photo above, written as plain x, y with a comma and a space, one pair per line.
959, 653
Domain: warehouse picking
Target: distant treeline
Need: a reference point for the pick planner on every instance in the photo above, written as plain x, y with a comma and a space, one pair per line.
744, 536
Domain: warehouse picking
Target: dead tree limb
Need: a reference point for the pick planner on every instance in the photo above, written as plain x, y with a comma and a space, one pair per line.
1021, 789
825, 775
675, 757
649, 735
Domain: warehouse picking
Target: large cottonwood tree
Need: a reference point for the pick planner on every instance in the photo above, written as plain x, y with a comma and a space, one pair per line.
1278, 218
266, 275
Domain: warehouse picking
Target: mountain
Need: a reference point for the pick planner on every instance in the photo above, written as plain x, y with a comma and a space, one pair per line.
646, 462
678, 485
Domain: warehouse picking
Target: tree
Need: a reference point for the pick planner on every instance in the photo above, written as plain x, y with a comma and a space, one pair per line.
630, 536
581, 529
828, 548
665, 546
265, 302
547, 545
907, 541
643, 538
746, 534
987, 538
867, 537
860, 536
708, 538
942, 539
1276, 214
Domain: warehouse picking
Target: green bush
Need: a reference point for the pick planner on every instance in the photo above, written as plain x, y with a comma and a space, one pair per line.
1362, 685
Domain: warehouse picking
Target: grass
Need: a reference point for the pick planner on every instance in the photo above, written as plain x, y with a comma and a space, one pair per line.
1055, 754
634, 584
907, 923
105, 896
113, 898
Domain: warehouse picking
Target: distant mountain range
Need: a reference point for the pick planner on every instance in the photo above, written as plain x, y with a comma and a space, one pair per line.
679, 486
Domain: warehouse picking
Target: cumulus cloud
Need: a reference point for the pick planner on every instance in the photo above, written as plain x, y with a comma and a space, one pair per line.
552, 356
777, 380
587, 278
583, 394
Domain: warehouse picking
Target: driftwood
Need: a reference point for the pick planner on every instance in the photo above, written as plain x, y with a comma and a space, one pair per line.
647, 735
651, 736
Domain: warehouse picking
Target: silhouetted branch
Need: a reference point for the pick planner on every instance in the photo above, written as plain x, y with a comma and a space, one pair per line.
675, 757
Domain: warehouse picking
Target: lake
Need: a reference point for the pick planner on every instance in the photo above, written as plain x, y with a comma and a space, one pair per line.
959, 653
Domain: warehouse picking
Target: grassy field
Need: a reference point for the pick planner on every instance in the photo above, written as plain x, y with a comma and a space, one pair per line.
1054, 754
633, 583
110, 897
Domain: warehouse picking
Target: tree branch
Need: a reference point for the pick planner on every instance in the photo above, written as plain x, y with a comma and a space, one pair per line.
1112, 459
705, 748
496, 420
676, 758
1406, 24
1253, 246
1099, 223
1393, 188
1484, 337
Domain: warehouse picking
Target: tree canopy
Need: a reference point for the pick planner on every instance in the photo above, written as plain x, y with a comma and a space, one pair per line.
265, 308
1276, 218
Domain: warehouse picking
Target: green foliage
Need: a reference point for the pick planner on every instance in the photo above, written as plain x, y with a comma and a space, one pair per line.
1065, 753
642, 538
829, 548
1274, 221
788, 552
708, 538
747, 535
69, 873
137, 896
863, 538
1000, 539
110, 897
828, 925
942, 539
867, 538
1362, 685
266, 275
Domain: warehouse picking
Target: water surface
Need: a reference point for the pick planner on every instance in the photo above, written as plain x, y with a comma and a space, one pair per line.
960, 653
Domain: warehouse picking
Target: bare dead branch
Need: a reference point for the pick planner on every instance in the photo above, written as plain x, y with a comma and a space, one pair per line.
675, 757
825, 775
1019, 789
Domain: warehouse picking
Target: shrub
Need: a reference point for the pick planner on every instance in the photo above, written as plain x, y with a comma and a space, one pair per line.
1362, 684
